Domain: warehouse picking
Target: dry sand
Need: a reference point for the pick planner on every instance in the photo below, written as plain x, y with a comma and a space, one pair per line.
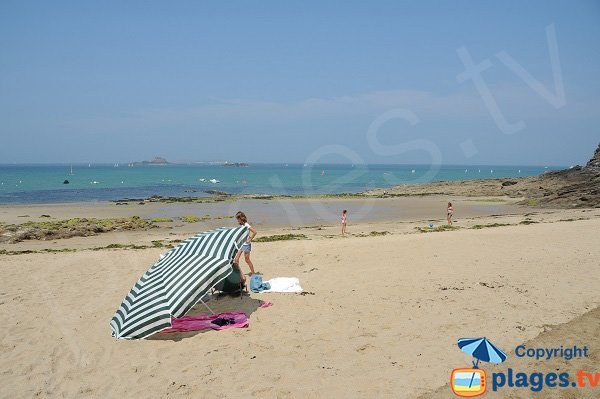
380, 319
580, 331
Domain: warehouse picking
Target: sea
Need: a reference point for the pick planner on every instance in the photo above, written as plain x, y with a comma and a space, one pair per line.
31, 184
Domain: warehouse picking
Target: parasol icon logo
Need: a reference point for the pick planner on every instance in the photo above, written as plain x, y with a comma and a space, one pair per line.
471, 382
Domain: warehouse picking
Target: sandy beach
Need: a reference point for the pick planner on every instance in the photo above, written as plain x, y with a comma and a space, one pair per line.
297, 200
380, 316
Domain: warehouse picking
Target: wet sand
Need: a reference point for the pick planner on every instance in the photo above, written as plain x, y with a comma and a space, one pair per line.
277, 212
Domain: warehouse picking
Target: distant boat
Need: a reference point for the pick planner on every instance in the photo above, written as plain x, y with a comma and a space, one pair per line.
412, 171
214, 181
94, 182
71, 170
202, 179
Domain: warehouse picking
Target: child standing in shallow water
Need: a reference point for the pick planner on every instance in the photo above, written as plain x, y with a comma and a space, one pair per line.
344, 221
247, 246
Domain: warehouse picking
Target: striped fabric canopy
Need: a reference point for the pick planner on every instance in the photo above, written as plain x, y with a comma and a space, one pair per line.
174, 284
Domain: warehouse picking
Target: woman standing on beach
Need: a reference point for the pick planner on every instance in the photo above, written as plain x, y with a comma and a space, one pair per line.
450, 211
247, 246
344, 221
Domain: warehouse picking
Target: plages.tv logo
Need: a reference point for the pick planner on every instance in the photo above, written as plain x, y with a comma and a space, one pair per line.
470, 382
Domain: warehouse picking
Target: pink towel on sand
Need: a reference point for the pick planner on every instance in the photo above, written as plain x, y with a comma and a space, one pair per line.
196, 323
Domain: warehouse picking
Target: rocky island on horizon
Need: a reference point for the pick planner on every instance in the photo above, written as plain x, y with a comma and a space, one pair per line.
163, 161
155, 161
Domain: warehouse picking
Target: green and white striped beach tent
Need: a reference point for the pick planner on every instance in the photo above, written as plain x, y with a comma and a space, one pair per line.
174, 284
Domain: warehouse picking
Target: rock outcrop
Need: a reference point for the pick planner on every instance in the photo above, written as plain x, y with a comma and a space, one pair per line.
576, 187
77, 227
595, 161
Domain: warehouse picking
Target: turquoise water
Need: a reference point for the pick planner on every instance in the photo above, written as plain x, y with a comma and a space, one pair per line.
23, 184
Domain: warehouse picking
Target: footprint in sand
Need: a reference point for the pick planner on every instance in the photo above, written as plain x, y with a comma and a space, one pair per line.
368, 334
363, 347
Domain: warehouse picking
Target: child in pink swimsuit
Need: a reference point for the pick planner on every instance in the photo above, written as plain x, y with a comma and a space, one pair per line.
449, 213
344, 220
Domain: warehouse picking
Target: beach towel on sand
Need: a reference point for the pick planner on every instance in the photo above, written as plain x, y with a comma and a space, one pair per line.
219, 321
283, 284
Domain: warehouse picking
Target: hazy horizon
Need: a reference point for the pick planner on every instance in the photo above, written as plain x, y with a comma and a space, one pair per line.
176, 162
404, 83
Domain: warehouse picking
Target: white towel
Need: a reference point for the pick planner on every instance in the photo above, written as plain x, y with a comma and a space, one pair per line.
284, 284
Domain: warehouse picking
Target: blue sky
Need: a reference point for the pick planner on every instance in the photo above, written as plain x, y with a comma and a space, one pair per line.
276, 81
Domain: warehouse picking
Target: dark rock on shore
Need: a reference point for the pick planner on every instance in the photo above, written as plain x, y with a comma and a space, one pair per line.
217, 192
77, 227
577, 187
